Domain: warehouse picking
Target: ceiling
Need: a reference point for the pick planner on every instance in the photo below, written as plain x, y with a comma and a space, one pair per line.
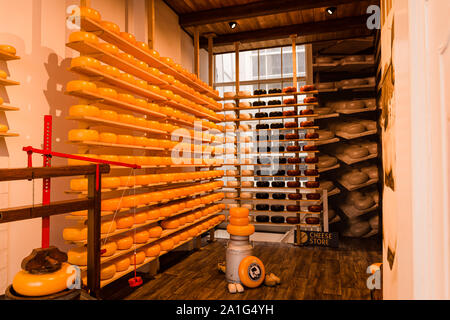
269, 23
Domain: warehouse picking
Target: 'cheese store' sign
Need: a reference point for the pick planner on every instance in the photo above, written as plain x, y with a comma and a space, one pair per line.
319, 239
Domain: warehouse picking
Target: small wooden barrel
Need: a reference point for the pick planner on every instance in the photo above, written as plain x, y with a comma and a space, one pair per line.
73, 294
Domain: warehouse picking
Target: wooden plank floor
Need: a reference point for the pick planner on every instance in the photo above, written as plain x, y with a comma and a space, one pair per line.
306, 273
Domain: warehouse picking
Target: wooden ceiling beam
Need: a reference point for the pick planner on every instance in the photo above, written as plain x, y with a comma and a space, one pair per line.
298, 29
256, 9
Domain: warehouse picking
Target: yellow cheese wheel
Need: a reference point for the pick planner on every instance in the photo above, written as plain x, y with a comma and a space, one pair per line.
170, 224
83, 36
108, 158
77, 256
129, 37
143, 179
241, 230
84, 61
109, 115
166, 245
137, 258
110, 26
239, 212
110, 247
7, 48
153, 214
182, 221
125, 221
110, 182
80, 85
127, 181
141, 236
140, 160
140, 141
145, 199
198, 215
77, 233
89, 13
192, 232
107, 272
153, 251
251, 272
108, 226
140, 217
3, 74
34, 285
78, 184
127, 57
127, 159
108, 137
107, 93
125, 139
140, 122
111, 70
130, 202
84, 111
127, 118
176, 239
239, 221
124, 243
123, 264
165, 211
190, 218
142, 45
83, 135
111, 204
1, 101
130, 79
184, 235
155, 232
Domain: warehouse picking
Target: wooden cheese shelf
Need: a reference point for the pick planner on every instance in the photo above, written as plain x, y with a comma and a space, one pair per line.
8, 134
277, 118
327, 116
325, 66
6, 56
270, 224
284, 177
6, 82
364, 87
276, 200
354, 136
353, 111
97, 144
334, 192
124, 85
114, 102
170, 166
347, 160
8, 108
108, 36
269, 95
356, 66
275, 153
268, 164
103, 122
282, 212
190, 96
336, 166
350, 187
284, 129
351, 211
152, 185
274, 106
328, 141
188, 109
147, 260
271, 188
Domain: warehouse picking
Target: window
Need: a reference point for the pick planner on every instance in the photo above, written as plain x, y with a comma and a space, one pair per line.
259, 69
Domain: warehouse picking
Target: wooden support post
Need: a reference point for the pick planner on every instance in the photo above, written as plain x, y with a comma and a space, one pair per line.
198, 243
212, 235
309, 65
196, 52
294, 60
93, 247
85, 3
211, 67
236, 48
151, 23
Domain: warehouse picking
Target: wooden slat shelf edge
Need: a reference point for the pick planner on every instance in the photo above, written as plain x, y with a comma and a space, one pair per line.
273, 188
356, 187
349, 210
350, 161
356, 110
269, 95
99, 144
328, 141
7, 82
273, 106
114, 102
354, 136
276, 200
6, 56
277, 118
8, 134
279, 212
336, 166
284, 177
8, 108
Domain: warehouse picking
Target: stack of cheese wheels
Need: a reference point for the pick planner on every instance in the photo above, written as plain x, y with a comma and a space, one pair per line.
239, 225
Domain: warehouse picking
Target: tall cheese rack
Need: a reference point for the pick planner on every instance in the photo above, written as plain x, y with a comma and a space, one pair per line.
323, 225
85, 147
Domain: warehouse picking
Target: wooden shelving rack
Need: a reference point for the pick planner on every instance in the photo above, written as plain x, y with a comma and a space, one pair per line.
297, 106
106, 80
6, 56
